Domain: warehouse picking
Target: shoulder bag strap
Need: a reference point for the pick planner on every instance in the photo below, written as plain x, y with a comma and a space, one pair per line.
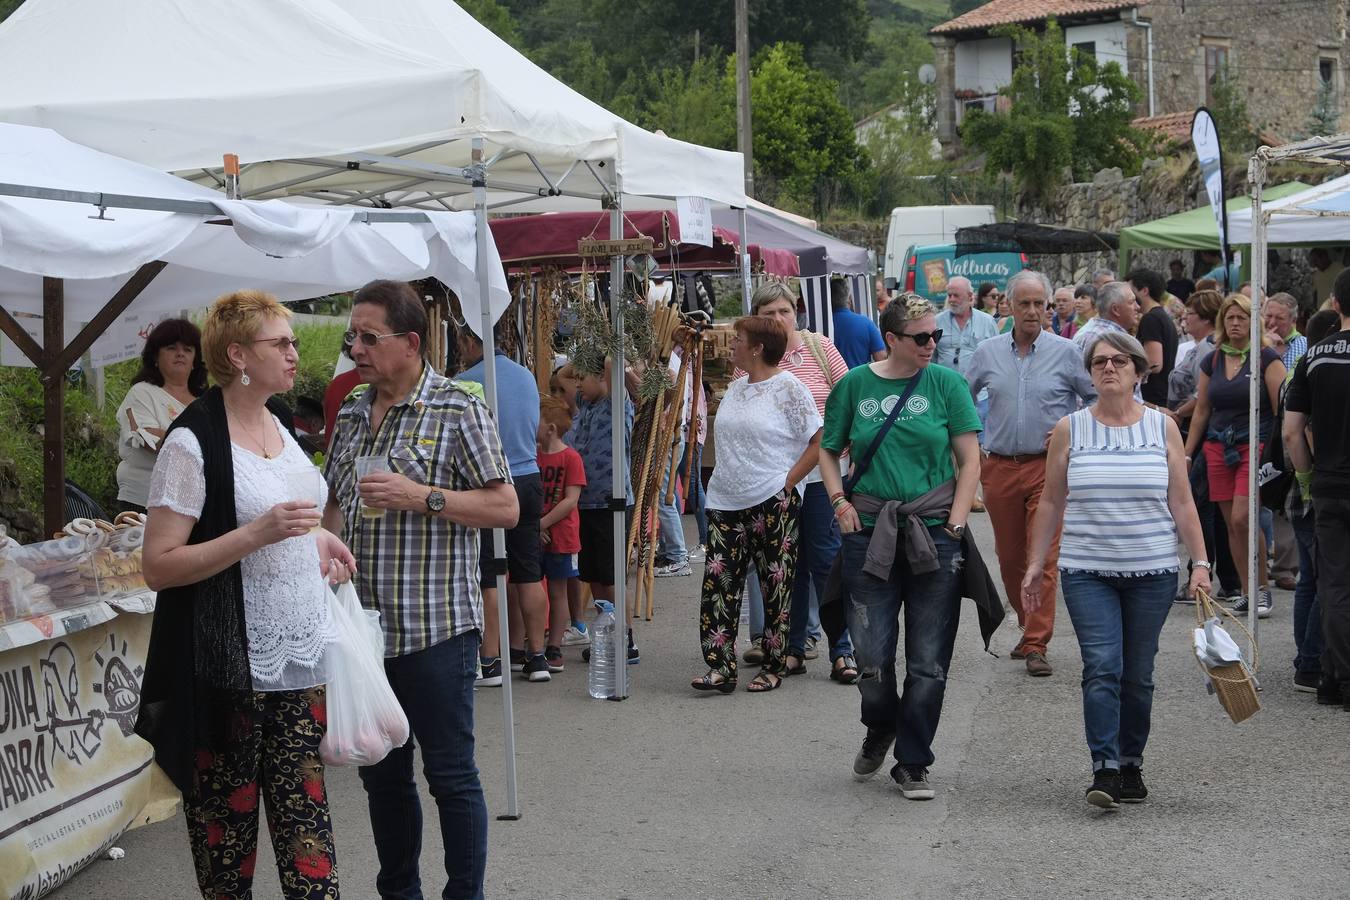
860, 466
812, 342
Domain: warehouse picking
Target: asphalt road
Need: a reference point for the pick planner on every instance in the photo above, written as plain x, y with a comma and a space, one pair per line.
673, 794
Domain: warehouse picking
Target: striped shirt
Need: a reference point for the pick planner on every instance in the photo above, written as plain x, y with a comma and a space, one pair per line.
1116, 519
420, 572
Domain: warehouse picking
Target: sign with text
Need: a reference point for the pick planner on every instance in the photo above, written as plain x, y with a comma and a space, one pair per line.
125, 338
73, 774
1209, 153
695, 216
621, 247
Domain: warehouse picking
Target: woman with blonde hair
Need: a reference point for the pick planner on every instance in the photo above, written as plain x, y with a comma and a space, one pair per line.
903, 524
1219, 427
233, 694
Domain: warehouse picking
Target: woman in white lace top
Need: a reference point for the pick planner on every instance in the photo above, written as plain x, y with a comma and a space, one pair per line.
234, 536
768, 434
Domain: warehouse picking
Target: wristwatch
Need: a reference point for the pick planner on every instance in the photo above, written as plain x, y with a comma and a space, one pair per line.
435, 501
954, 531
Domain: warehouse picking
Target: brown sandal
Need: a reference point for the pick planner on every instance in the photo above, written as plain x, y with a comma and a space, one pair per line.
847, 673
764, 682
789, 669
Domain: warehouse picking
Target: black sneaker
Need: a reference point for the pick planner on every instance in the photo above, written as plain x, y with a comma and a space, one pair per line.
1132, 788
489, 672
872, 754
1307, 682
1328, 692
633, 656
553, 656
1105, 790
518, 658
913, 781
536, 668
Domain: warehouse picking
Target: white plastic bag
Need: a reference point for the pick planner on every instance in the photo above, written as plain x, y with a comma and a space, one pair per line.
365, 720
1214, 646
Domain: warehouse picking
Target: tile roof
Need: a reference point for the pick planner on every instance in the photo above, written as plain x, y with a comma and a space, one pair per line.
1172, 126
1017, 12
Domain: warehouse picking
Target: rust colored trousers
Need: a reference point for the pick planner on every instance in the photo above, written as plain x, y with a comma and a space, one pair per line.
1012, 491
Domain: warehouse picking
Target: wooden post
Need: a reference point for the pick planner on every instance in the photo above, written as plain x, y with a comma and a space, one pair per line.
53, 406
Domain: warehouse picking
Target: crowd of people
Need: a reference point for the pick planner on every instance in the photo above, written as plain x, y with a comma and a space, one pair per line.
1099, 425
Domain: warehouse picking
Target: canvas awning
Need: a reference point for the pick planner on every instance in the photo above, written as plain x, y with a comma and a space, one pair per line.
818, 253
1308, 217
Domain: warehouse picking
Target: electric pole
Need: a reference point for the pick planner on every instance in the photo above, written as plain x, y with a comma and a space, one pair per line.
743, 141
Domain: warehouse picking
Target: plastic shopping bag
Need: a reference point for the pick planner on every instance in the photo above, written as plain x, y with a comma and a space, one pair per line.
365, 720
1214, 646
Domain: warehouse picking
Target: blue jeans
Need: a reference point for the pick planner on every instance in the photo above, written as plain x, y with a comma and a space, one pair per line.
931, 604
755, 603
694, 497
435, 688
1307, 611
1118, 620
670, 539
817, 546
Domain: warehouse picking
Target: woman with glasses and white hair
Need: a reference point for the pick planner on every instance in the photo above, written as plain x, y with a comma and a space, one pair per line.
903, 520
1116, 477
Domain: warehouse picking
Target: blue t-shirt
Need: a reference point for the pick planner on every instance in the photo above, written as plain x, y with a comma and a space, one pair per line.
518, 421
592, 436
856, 337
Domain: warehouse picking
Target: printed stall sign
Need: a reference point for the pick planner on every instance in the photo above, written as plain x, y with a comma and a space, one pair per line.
73, 776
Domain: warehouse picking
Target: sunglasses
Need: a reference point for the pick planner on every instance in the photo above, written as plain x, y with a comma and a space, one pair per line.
282, 343
1117, 362
369, 338
921, 338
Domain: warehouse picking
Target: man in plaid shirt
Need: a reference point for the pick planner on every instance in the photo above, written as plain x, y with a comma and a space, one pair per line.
417, 556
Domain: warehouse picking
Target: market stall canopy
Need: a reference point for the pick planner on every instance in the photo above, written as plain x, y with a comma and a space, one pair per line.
1312, 216
345, 100
819, 253
1025, 237
211, 245
551, 240
1193, 229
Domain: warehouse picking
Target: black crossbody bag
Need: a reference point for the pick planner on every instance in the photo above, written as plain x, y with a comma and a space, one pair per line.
859, 469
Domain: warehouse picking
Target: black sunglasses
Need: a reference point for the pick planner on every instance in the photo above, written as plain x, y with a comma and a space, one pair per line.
921, 338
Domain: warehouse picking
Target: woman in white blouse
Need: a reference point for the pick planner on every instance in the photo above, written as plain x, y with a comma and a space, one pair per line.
171, 376
768, 434
233, 695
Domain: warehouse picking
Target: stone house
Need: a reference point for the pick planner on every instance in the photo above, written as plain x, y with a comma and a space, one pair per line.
1280, 53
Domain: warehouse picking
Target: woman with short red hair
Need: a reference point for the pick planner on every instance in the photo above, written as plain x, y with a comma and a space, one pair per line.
768, 435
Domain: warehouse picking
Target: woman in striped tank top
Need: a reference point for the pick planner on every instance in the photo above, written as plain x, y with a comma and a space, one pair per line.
1116, 477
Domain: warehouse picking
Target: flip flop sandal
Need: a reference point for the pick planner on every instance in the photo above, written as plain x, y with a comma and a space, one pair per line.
761, 683
847, 673
707, 683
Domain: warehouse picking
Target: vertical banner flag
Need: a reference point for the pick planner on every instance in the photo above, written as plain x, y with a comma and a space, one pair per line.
1205, 137
695, 216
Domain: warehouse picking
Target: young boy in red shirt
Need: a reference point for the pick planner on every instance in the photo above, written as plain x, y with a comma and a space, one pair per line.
563, 475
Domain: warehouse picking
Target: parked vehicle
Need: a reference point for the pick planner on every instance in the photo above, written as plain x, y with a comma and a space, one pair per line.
920, 226
927, 269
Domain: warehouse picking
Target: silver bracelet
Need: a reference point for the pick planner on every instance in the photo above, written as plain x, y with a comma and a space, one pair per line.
1201, 564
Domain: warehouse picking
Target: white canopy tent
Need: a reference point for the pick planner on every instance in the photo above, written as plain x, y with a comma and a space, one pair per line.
1317, 215
404, 103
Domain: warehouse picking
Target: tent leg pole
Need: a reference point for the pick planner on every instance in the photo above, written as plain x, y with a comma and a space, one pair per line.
618, 394
53, 406
1256, 384
745, 260
498, 535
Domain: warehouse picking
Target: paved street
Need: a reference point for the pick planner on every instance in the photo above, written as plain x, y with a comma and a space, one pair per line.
676, 794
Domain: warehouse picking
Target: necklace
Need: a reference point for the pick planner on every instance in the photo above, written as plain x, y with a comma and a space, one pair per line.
251, 433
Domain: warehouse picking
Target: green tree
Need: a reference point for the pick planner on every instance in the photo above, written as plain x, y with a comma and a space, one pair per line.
7, 7
695, 104
1066, 112
1325, 117
1229, 110
492, 14
961, 7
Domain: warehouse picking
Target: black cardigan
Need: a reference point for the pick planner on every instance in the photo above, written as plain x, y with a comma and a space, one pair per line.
198, 642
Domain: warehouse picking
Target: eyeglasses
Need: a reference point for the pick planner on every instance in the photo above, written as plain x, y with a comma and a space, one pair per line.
921, 338
1117, 362
369, 338
282, 343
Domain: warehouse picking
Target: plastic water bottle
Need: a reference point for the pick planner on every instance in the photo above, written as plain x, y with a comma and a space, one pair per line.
600, 677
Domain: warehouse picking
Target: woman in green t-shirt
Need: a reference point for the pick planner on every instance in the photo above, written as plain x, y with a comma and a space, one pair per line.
903, 528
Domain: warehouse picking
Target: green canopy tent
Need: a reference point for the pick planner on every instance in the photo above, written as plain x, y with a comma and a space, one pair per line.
1191, 230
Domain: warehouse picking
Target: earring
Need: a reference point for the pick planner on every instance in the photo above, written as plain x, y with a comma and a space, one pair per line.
244, 379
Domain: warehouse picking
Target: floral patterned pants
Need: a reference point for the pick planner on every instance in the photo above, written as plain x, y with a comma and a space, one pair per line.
765, 535
273, 741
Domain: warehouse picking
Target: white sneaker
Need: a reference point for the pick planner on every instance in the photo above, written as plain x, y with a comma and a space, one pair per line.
574, 636
698, 553
673, 570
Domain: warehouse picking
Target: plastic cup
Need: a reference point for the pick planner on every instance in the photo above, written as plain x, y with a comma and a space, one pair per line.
368, 465
303, 484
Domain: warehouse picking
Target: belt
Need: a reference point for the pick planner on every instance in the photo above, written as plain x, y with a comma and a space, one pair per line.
1019, 458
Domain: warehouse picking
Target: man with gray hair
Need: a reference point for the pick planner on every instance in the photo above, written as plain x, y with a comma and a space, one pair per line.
1280, 316
963, 327
1102, 276
1116, 310
1034, 378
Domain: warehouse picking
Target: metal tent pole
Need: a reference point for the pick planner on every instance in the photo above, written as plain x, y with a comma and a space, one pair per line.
745, 260
498, 535
1256, 384
619, 495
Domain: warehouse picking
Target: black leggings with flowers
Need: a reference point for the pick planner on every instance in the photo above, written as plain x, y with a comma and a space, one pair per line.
765, 535
272, 742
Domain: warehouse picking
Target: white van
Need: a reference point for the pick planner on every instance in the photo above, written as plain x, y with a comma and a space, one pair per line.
924, 225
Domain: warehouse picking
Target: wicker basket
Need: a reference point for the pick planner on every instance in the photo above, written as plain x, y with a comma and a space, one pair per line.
1233, 682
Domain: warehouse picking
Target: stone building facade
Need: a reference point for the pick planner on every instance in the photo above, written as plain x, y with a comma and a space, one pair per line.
1280, 53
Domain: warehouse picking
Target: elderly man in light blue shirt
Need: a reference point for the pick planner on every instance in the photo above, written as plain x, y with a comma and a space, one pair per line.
1034, 379
963, 326
1117, 310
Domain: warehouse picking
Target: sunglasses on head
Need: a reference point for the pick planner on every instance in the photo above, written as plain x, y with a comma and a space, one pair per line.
921, 338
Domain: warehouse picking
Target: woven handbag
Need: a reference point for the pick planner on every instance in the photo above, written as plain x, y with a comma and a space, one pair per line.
1235, 682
